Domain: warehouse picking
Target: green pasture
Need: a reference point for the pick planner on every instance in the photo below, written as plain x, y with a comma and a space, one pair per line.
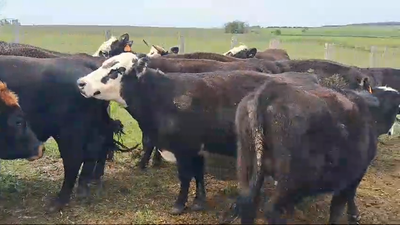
352, 44
20, 179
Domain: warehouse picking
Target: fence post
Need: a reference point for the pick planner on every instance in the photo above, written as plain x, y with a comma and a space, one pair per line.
233, 41
181, 44
107, 34
274, 43
17, 28
372, 57
327, 51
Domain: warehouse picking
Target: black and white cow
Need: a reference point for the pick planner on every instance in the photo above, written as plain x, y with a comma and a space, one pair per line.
180, 112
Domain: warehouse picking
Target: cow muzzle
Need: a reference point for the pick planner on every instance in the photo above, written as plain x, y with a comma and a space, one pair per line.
40, 151
82, 85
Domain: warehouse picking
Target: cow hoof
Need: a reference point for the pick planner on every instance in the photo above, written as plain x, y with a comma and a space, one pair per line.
55, 206
99, 186
83, 191
354, 219
176, 210
198, 205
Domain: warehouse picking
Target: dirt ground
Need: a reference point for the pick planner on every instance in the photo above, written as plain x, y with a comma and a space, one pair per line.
132, 196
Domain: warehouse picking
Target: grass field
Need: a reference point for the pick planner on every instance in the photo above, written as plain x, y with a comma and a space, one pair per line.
132, 196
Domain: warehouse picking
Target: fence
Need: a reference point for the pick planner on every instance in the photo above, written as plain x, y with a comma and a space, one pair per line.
373, 56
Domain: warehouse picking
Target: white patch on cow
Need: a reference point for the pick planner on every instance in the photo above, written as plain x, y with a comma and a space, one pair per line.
237, 49
154, 52
167, 155
111, 90
105, 47
386, 88
183, 102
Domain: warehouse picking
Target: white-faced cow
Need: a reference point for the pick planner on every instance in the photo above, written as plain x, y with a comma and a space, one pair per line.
241, 52
17, 140
271, 54
157, 51
114, 46
180, 112
311, 140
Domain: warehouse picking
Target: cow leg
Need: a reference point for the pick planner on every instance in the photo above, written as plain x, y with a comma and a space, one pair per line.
247, 204
110, 156
339, 201
99, 172
84, 178
198, 170
185, 174
71, 146
71, 163
157, 158
148, 148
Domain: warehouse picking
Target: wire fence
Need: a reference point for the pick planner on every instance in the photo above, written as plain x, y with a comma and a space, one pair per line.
362, 56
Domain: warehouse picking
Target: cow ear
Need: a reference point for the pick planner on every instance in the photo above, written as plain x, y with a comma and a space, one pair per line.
124, 38
252, 53
141, 64
128, 46
175, 50
365, 84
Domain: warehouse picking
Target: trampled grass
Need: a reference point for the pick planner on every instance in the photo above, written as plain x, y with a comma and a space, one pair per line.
132, 196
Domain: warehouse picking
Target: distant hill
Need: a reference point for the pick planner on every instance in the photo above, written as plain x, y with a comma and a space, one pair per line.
367, 24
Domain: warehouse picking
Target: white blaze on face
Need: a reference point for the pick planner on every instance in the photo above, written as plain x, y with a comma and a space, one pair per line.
106, 46
154, 52
105, 82
237, 49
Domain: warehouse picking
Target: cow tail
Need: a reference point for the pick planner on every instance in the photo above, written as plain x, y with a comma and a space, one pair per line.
118, 131
250, 153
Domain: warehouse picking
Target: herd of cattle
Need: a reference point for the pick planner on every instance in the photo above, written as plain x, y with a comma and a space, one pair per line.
310, 125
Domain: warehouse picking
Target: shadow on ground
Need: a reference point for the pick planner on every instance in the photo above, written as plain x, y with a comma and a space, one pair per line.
133, 196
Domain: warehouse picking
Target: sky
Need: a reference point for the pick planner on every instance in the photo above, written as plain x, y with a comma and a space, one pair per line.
200, 13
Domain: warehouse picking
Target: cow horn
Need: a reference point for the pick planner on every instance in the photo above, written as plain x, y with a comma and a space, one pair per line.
146, 43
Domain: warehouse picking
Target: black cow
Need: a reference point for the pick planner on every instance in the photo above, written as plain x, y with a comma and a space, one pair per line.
180, 112
53, 106
17, 140
310, 140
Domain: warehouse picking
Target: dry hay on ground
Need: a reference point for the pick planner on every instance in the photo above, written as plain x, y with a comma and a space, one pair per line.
132, 196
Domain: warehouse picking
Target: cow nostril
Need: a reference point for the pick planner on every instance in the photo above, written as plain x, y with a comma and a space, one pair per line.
96, 93
81, 83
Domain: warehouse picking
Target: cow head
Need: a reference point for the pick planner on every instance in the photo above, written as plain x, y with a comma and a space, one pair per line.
242, 52
17, 140
105, 83
385, 114
157, 51
114, 46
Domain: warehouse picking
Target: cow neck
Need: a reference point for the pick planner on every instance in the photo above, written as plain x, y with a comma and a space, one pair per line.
145, 94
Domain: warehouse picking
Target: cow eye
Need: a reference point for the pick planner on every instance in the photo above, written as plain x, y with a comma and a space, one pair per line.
121, 70
19, 122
